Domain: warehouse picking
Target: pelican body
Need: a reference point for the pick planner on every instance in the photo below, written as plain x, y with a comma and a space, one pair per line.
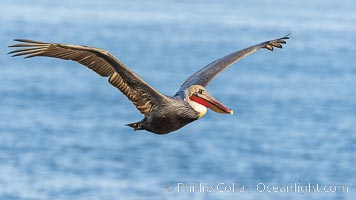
162, 114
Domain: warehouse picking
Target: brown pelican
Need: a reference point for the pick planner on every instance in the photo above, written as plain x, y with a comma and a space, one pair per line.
162, 114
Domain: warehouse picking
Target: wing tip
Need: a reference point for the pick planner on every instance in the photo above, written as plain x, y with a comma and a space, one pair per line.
276, 43
27, 47
286, 37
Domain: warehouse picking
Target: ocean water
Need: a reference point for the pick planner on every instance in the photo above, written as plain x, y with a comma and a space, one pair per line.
62, 127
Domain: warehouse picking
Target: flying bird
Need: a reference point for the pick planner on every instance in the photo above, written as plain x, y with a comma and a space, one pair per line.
162, 114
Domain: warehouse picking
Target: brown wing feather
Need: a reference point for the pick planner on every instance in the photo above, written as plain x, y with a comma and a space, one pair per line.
142, 95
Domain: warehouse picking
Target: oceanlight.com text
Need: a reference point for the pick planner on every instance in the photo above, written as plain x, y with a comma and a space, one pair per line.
261, 187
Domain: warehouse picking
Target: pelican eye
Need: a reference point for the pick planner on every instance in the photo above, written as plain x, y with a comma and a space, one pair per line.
200, 91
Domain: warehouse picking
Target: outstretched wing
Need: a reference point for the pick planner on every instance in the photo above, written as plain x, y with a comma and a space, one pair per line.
142, 95
207, 73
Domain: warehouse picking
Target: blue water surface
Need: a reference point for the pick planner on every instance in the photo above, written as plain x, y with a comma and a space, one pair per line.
62, 127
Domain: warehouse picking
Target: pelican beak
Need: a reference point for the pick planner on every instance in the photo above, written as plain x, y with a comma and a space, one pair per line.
209, 101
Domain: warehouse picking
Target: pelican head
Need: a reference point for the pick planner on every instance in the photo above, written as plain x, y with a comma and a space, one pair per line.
199, 99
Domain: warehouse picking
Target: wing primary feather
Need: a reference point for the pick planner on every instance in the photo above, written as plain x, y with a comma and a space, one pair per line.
29, 41
27, 52
26, 49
